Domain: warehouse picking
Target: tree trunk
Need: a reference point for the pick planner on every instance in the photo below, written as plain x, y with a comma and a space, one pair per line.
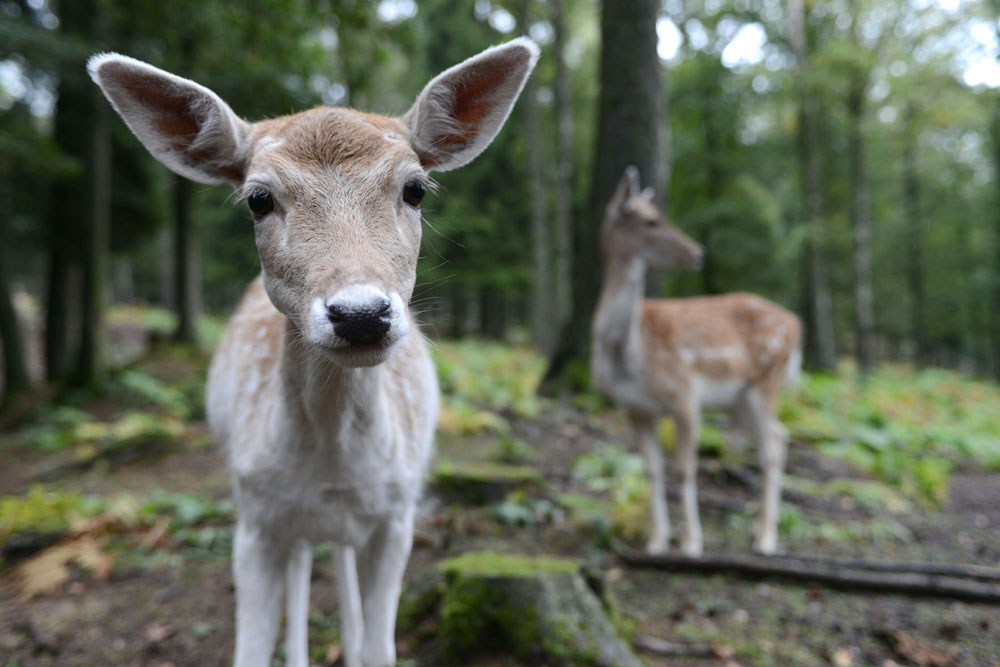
96, 257
821, 339
713, 188
914, 227
861, 224
15, 367
185, 276
68, 197
564, 170
996, 242
491, 313
459, 310
541, 300
628, 133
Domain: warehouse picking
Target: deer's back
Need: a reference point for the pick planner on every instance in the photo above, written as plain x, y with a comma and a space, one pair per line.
719, 338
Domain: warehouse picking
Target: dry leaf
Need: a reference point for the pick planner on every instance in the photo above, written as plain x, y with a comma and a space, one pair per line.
157, 632
842, 657
332, 654
48, 570
920, 653
721, 651
157, 534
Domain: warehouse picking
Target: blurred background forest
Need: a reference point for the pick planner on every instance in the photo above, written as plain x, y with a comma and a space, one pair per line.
845, 164
841, 157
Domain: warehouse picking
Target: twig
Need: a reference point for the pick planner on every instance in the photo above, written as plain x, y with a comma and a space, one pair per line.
830, 574
673, 649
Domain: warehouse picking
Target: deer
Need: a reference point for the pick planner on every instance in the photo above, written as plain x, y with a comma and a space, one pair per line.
322, 391
677, 357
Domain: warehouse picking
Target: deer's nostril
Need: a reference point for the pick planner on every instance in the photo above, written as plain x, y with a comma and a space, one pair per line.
336, 313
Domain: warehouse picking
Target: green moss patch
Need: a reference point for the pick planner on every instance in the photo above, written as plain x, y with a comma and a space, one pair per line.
495, 564
481, 482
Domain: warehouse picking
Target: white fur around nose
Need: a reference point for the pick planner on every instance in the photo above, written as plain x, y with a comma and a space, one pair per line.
352, 297
357, 296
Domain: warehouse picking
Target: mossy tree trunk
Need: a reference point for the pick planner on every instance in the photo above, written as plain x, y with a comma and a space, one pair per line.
535, 609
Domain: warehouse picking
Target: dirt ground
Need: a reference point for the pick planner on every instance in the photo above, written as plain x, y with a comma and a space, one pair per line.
173, 604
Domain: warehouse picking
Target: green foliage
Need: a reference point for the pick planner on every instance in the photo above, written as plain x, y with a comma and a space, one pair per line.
489, 374
151, 389
794, 525
909, 428
69, 428
520, 510
186, 509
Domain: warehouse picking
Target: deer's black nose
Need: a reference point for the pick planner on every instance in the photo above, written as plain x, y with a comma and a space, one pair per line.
360, 325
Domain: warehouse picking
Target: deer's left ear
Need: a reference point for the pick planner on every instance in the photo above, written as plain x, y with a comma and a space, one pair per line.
462, 109
628, 187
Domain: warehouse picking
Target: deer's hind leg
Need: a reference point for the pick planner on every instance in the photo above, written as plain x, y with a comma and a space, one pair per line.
771, 437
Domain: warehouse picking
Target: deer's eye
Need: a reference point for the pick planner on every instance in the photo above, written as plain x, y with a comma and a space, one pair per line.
261, 203
413, 193
651, 223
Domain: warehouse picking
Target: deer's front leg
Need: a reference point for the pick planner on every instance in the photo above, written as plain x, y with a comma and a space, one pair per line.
258, 572
381, 570
352, 623
659, 537
297, 576
688, 425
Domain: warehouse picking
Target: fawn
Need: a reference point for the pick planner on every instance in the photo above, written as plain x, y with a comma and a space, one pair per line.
322, 391
677, 356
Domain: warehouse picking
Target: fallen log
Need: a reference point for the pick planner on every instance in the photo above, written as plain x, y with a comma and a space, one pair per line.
958, 570
829, 574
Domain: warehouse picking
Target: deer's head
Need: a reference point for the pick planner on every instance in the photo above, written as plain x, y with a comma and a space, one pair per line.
334, 193
634, 228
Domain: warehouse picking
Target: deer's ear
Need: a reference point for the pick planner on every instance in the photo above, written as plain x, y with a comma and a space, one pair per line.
184, 125
461, 110
628, 187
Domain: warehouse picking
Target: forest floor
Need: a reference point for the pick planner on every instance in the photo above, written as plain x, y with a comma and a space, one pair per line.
115, 520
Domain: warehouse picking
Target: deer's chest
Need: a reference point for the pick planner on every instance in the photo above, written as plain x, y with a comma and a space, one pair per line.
330, 490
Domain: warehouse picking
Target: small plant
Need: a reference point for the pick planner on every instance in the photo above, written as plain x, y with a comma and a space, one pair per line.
621, 476
512, 450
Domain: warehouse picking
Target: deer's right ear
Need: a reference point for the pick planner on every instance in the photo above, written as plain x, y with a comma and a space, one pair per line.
462, 109
184, 125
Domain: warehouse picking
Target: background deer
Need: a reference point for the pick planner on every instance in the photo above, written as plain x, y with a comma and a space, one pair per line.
677, 356
322, 391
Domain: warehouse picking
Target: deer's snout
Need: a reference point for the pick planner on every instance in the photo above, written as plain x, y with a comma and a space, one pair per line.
360, 315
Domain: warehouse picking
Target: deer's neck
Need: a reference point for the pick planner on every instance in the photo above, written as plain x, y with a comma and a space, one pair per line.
341, 406
617, 352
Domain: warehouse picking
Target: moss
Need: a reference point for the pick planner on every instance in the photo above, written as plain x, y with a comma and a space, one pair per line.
537, 609
495, 564
478, 617
479, 482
